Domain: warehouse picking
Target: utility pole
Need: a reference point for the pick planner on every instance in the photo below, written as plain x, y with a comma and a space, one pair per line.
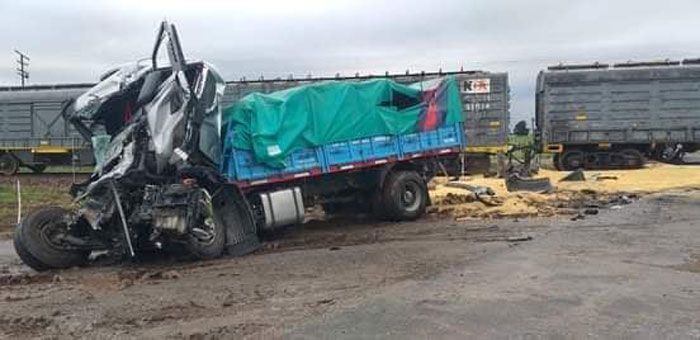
23, 64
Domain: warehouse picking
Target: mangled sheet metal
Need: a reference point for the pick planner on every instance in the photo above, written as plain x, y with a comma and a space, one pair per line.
157, 131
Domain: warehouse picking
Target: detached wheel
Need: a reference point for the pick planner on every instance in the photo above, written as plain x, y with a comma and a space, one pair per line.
8, 164
404, 196
38, 241
207, 239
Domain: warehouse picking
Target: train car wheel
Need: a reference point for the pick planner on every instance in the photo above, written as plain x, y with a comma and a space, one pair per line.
8, 165
572, 160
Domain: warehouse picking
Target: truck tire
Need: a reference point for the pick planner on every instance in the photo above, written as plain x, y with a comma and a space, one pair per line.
9, 165
206, 249
33, 244
404, 196
24, 254
208, 240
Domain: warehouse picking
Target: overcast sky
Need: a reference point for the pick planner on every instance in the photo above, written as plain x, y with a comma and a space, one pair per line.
75, 41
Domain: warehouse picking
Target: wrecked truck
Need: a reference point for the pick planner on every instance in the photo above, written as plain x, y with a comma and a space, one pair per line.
177, 171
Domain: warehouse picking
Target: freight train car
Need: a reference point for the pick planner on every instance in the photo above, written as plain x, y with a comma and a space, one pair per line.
33, 133
485, 101
615, 116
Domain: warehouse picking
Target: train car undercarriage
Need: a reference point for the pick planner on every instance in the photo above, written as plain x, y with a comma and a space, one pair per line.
586, 157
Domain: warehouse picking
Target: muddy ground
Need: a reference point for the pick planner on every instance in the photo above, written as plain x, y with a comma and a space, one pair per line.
632, 271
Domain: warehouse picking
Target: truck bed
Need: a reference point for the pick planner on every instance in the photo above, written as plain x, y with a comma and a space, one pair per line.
485, 100
240, 167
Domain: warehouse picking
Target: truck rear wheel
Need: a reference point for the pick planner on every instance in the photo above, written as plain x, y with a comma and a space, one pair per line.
404, 196
8, 164
37, 241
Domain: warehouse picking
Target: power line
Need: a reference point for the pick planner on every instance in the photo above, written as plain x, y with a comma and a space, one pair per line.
23, 64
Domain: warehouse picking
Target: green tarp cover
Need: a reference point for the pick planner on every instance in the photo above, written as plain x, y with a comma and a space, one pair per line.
273, 125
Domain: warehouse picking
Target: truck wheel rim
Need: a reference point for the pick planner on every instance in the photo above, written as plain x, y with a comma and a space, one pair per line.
205, 233
51, 232
410, 199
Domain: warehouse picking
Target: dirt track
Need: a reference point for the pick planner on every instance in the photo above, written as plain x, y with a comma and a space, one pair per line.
626, 272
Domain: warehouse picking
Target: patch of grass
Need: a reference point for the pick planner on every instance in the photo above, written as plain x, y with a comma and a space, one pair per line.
33, 197
7, 195
64, 169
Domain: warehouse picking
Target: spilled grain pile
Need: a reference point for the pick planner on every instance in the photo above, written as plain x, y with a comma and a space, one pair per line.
600, 189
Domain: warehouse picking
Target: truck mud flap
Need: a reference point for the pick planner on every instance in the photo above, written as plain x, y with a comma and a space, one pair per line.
232, 209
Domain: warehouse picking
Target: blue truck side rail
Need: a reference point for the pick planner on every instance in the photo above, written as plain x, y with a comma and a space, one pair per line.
239, 166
